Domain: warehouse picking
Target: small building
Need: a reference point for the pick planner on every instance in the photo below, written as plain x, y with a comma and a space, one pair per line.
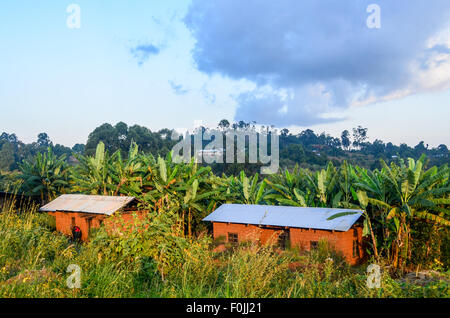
290, 226
87, 211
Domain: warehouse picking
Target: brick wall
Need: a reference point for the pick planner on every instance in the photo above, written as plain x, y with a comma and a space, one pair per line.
302, 238
86, 221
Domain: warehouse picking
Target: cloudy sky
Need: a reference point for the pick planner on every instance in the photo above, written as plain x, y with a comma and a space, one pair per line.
298, 64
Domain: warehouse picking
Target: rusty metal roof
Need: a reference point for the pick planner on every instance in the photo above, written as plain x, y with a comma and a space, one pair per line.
99, 204
269, 215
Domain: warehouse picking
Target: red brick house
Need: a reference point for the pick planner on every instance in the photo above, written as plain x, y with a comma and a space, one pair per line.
290, 226
88, 211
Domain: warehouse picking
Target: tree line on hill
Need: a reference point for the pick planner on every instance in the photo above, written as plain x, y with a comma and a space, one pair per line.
307, 149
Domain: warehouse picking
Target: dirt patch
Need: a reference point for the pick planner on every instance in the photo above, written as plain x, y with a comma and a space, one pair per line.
423, 278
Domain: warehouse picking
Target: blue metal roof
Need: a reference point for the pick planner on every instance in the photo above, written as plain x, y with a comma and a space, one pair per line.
310, 218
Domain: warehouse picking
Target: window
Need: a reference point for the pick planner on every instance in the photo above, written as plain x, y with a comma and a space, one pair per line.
232, 238
313, 245
283, 239
73, 222
355, 249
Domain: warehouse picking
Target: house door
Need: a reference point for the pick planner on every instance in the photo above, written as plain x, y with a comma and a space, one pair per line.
284, 239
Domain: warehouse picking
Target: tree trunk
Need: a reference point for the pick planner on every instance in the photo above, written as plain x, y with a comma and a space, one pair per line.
374, 240
396, 247
183, 224
189, 223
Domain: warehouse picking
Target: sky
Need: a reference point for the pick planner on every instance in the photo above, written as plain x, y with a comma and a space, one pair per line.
174, 64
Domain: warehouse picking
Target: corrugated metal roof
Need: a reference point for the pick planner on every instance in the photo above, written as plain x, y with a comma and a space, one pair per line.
311, 218
99, 204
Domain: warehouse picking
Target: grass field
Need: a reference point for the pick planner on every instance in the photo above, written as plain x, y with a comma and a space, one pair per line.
163, 263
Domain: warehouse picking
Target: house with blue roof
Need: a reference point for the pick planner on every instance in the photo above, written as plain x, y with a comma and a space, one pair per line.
291, 226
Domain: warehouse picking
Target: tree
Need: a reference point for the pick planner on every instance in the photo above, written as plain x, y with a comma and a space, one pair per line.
420, 148
442, 148
78, 148
122, 136
61, 150
7, 158
308, 137
359, 136
9, 138
345, 139
44, 140
284, 132
294, 152
224, 124
166, 133
377, 148
106, 134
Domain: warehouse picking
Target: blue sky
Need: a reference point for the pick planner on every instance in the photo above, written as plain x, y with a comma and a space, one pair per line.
297, 64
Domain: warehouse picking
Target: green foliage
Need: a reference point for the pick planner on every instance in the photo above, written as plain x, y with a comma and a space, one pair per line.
396, 199
307, 149
45, 176
161, 262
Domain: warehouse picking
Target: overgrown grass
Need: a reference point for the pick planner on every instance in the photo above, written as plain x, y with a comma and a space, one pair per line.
161, 262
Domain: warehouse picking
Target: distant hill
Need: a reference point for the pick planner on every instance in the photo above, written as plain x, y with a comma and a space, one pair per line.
307, 149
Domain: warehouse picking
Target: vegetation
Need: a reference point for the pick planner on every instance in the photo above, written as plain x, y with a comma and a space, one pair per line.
162, 262
406, 218
307, 149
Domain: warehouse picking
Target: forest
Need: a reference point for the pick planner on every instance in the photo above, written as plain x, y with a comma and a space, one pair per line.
307, 149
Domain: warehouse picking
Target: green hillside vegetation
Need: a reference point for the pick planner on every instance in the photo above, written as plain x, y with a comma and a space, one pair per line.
307, 149
406, 225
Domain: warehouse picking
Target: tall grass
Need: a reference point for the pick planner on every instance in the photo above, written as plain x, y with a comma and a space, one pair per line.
162, 262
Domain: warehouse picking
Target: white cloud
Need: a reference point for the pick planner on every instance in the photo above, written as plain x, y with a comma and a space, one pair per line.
311, 58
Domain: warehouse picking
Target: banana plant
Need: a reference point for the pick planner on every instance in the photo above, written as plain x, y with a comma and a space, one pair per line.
373, 183
346, 180
415, 194
286, 189
46, 175
187, 187
94, 175
323, 183
246, 190
126, 174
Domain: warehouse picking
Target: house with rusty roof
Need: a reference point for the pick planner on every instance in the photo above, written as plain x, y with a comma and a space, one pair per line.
85, 212
290, 226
